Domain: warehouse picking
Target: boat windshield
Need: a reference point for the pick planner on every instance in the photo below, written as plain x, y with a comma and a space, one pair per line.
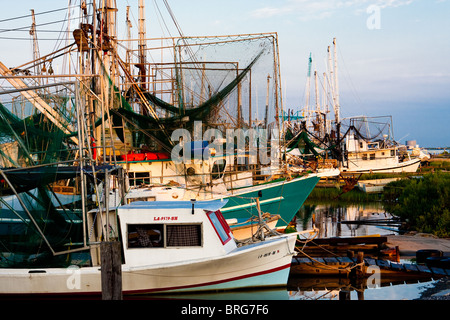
220, 225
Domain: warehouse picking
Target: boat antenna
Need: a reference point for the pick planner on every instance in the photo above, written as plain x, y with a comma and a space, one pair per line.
192, 201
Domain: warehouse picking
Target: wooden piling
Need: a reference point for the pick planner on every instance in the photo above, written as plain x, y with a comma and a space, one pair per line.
360, 270
111, 270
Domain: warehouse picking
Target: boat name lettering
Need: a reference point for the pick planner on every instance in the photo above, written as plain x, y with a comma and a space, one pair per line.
271, 253
165, 218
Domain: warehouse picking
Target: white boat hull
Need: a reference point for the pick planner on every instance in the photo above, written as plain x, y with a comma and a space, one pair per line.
263, 264
406, 166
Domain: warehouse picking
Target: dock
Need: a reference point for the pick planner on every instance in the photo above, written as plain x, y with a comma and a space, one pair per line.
370, 245
335, 257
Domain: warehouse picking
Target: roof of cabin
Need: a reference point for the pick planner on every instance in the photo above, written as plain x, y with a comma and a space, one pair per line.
209, 205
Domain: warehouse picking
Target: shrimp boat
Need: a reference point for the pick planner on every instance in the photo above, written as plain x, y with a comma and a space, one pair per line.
168, 246
382, 156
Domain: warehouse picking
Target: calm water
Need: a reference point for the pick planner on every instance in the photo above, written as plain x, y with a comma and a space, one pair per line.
329, 218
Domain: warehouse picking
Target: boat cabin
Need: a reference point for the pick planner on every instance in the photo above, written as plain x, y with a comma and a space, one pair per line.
362, 154
155, 232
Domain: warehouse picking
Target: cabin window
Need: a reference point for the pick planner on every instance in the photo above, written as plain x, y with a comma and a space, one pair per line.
218, 169
372, 156
145, 235
139, 178
160, 235
392, 153
220, 225
184, 235
364, 156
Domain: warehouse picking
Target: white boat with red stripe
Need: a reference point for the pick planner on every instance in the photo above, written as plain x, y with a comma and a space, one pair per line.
168, 246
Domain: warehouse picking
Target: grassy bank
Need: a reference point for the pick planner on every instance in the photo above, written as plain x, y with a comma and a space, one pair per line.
423, 202
335, 194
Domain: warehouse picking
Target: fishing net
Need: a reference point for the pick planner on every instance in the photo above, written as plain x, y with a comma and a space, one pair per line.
225, 82
369, 128
31, 145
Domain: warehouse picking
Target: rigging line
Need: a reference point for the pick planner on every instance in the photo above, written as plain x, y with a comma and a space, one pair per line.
36, 14
349, 80
45, 57
28, 39
188, 48
36, 30
159, 20
38, 25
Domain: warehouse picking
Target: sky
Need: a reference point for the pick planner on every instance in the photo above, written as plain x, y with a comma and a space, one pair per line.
393, 55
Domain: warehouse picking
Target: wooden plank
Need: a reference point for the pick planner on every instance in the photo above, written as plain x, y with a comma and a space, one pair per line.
344, 260
423, 268
411, 267
397, 266
438, 271
351, 240
331, 260
302, 260
320, 260
383, 263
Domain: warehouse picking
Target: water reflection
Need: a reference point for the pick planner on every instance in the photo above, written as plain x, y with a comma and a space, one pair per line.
331, 219
342, 289
310, 288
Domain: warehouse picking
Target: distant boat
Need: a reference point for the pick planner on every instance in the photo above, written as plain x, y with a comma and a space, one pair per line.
175, 246
375, 185
376, 157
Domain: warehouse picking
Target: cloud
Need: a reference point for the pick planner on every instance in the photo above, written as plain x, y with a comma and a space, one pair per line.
320, 9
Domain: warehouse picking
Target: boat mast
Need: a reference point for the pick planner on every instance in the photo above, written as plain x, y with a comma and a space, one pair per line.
267, 102
336, 84
308, 87
142, 46
336, 104
36, 53
318, 111
129, 43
